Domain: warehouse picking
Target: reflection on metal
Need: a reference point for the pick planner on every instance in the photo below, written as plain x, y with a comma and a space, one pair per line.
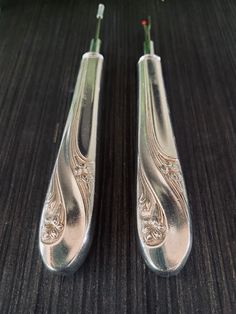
163, 220
65, 228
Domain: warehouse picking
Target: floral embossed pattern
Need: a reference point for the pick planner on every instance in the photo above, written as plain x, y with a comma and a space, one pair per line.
53, 221
152, 217
83, 172
153, 232
52, 228
171, 170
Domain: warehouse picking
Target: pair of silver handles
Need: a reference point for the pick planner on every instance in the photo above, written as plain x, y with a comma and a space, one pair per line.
163, 222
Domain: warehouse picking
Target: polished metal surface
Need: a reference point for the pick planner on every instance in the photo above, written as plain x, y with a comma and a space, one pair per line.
163, 220
66, 222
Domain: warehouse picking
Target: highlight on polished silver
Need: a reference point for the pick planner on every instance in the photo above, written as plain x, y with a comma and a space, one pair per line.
67, 219
163, 219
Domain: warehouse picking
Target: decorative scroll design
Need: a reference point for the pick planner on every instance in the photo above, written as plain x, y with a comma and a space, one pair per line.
154, 226
53, 213
152, 216
168, 166
83, 170
171, 171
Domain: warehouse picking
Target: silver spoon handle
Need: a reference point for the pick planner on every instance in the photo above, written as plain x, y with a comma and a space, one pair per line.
65, 227
163, 220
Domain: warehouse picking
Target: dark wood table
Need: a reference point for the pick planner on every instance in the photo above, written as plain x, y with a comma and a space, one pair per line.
41, 44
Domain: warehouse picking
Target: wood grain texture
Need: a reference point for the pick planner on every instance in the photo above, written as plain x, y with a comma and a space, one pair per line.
41, 44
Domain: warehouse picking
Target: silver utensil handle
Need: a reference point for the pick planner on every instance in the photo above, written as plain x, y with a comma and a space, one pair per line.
163, 220
65, 227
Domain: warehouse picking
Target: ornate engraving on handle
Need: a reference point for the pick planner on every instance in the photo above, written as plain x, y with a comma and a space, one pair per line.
84, 176
54, 210
168, 166
66, 226
154, 226
54, 214
83, 171
152, 216
170, 169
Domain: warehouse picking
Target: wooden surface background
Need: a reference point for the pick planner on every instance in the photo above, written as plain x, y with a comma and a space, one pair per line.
41, 44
